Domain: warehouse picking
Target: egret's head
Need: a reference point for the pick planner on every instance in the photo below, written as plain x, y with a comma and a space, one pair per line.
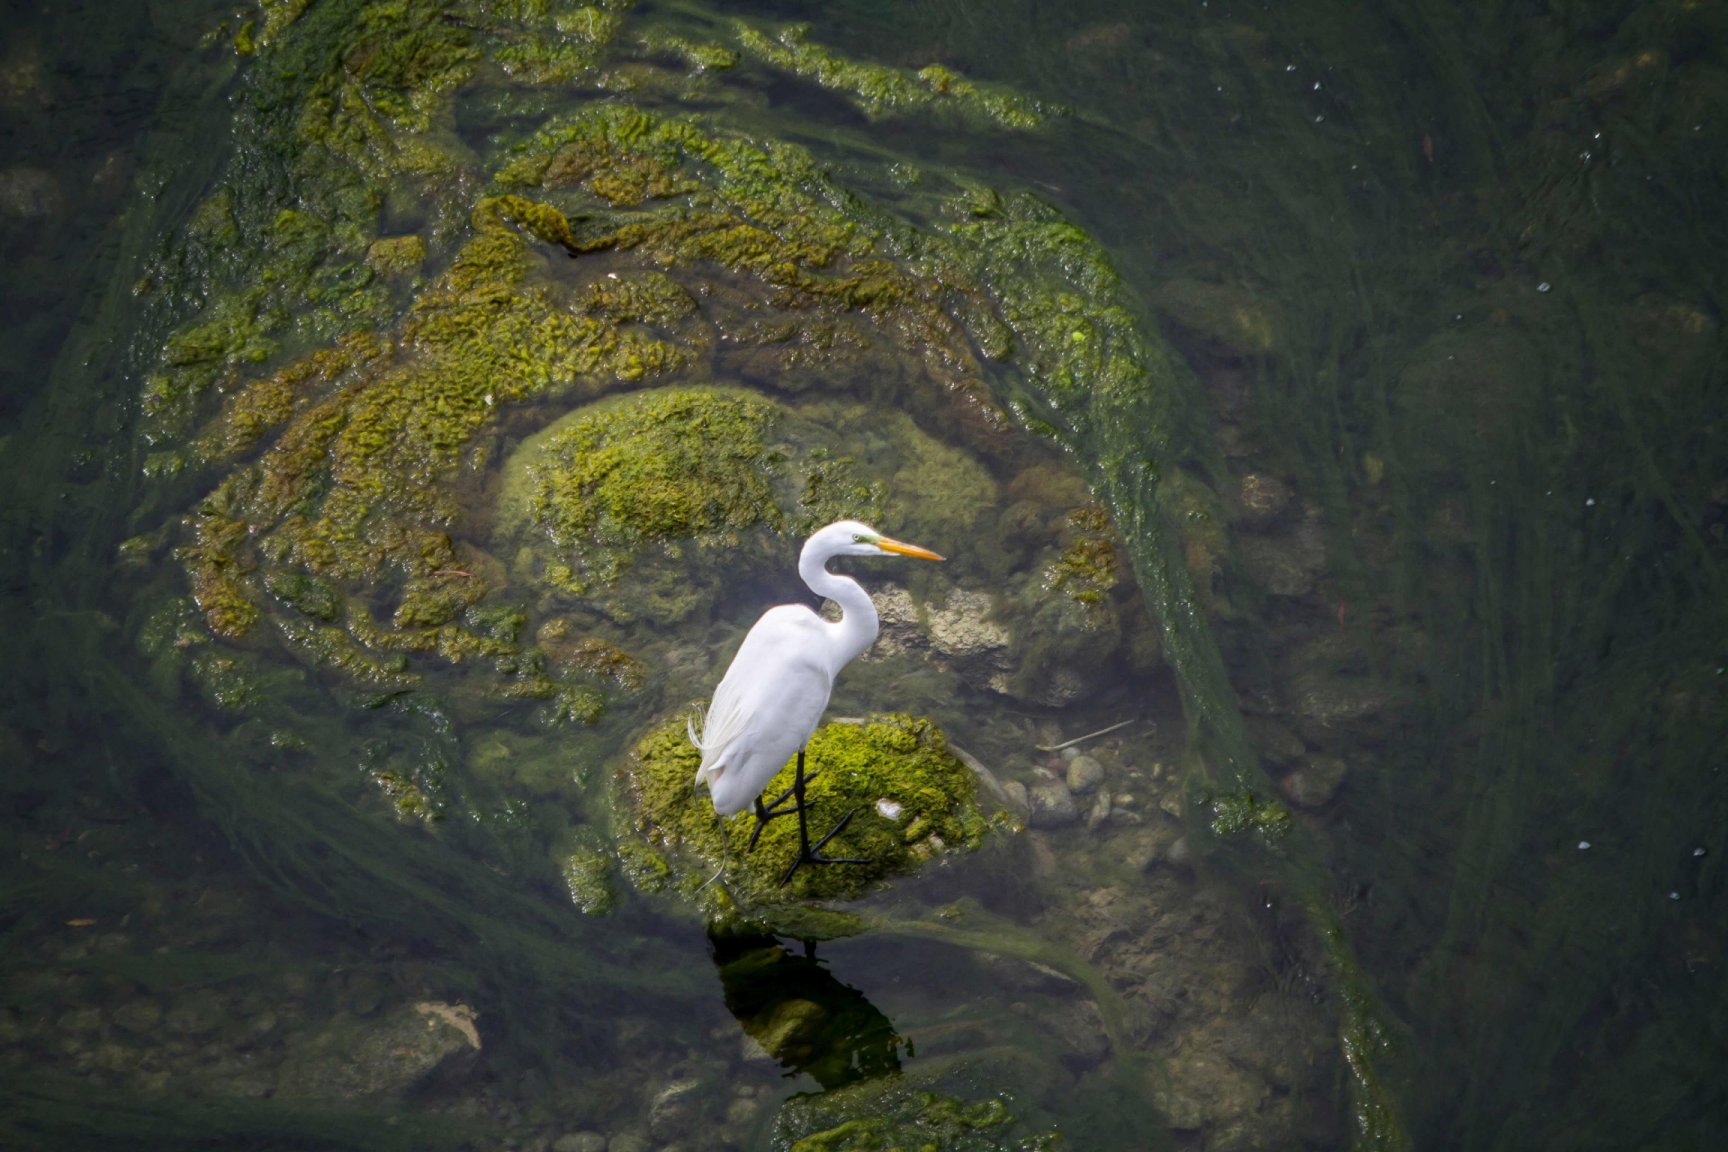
854, 538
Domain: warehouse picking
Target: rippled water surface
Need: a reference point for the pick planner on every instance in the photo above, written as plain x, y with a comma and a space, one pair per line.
1323, 415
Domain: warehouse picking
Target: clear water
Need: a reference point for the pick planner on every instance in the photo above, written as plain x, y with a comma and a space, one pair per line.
1480, 257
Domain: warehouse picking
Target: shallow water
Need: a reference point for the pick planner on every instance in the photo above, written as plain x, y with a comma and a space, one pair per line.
1446, 287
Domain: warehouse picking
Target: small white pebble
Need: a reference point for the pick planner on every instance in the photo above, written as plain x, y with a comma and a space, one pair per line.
889, 809
1543, 287
1673, 895
1590, 503
1698, 852
1583, 845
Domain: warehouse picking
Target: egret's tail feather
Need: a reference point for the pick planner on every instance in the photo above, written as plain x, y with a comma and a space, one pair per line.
721, 725
720, 871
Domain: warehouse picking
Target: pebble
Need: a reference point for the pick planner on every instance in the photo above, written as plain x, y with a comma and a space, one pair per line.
674, 1109
1085, 774
1052, 805
1100, 812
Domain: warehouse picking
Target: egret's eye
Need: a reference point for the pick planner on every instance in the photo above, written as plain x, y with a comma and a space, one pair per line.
856, 539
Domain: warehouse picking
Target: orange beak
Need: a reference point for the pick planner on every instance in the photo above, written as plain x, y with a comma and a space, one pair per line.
903, 549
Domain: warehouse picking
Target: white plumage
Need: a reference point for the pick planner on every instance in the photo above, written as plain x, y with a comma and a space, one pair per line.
777, 687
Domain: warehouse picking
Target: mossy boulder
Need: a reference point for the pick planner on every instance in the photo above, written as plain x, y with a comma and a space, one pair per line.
912, 802
651, 505
674, 471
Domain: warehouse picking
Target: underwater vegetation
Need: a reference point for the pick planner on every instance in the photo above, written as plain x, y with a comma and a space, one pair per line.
499, 349
355, 525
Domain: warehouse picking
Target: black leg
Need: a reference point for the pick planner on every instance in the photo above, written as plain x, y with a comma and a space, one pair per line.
809, 855
777, 806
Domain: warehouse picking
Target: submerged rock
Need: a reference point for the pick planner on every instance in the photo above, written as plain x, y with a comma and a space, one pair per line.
1085, 774
1315, 781
899, 759
384, 1056
1051, 803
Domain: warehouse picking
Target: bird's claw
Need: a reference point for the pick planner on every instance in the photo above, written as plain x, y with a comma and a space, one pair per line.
774, 809
813, 855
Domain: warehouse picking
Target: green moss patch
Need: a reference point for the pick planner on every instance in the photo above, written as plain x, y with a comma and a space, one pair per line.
912, 802
879, 90
691, 465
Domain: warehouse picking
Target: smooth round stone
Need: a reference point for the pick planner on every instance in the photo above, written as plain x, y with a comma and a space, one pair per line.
1084, 774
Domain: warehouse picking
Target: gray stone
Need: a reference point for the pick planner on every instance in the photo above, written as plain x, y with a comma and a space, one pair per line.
1199, 1087
675, 1109
627, 1142
961, 629
1315, 782
1052, 805
377, 1057
1149, 845
1100, 812
1283, 1038
196, 1013
1261, 498
1283, 565
1085, 774
1327, 703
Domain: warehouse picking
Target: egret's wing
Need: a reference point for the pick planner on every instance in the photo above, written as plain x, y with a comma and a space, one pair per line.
767, 705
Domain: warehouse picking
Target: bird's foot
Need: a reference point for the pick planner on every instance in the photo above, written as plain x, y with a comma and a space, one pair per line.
813, 855
777, 808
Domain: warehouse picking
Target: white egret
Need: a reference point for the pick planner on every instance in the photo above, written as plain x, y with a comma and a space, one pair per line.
774, 694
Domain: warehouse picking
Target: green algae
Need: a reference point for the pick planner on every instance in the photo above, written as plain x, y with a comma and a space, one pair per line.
867, 769
587, 874
672, 464
1243, 812
360, 479
911, 1118
698, 55
1089, 567
879, 90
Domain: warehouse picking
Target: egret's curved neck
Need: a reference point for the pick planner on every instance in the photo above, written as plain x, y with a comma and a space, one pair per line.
858, 624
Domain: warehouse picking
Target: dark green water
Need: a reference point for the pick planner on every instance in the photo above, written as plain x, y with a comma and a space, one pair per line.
1451, 276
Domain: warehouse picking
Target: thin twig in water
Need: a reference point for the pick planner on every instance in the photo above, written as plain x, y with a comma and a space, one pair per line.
1082, 739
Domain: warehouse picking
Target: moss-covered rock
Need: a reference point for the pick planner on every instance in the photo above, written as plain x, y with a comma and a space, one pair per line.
891, 1113
671, 469
912, 801
374, 311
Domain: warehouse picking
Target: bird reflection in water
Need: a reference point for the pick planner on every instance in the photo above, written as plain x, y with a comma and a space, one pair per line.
791, 1005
